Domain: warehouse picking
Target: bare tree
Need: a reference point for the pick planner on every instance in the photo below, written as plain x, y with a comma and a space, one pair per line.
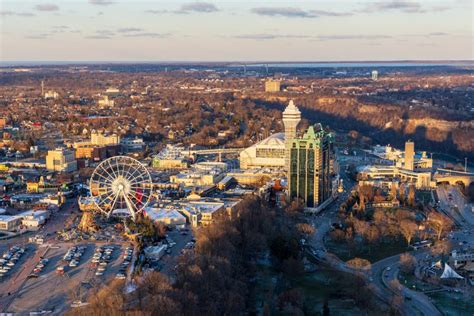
439, 222
408, 229
407, 263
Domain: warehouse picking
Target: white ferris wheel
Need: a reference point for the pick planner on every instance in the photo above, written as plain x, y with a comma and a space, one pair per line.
121, 184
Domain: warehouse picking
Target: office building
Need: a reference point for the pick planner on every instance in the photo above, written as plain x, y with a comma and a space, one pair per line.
309, 176
106, 102
51, 95
132, 144
272, 86
409, 155
375, 75
61, 159
100, 139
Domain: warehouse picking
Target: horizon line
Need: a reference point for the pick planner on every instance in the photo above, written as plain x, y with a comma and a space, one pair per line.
14, 63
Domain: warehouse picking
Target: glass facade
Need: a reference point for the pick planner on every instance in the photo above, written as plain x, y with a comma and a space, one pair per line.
309, 174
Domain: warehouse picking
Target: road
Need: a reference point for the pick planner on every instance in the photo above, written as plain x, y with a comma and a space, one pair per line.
453, 203
386, 271
419, 302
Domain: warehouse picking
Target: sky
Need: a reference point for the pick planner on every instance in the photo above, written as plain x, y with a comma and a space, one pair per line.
145, 30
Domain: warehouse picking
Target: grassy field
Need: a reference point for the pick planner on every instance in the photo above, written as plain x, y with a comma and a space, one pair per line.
325, 284
316, 287
371, 252
454, 304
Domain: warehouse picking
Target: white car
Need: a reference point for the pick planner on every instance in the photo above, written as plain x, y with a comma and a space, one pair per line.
120, 276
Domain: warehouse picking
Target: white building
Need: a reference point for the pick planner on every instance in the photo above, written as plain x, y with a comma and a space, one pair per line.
201, 174
271, 152
9, 223
34, 219
421, 180
167, 216
155, 252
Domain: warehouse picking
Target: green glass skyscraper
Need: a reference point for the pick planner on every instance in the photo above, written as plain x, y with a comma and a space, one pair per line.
309, 170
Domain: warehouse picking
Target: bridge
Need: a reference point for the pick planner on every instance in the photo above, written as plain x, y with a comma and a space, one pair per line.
214, 151
454, 177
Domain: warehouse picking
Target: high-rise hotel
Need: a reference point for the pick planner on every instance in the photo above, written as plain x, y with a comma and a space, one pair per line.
309, 170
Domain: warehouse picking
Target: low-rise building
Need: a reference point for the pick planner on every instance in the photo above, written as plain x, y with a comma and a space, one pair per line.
201, 174
10, 223
421, 179
170, 157
34, 219
155, 252
167, 216
132, 144
209, 211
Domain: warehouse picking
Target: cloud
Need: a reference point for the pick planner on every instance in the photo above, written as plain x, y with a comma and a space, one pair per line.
148, 34
330, 13
47, 7
438, 34
267, 36
101, 34
157, 11
199, 7
432, 34
11, 13
98, 37
401, 6
101, 2
105, 32
264, 36
38, 36
394, 5
296, 12
351, 37
129, 29
286, 12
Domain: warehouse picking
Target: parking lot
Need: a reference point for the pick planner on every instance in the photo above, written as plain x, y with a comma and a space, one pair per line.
54, 290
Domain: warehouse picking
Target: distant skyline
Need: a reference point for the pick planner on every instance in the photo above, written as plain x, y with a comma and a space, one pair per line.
167, 31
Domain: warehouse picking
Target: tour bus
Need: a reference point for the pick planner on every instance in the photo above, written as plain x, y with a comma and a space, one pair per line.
422, 244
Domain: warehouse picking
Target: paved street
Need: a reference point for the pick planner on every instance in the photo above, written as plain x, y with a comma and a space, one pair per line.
419, 302
453, 202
